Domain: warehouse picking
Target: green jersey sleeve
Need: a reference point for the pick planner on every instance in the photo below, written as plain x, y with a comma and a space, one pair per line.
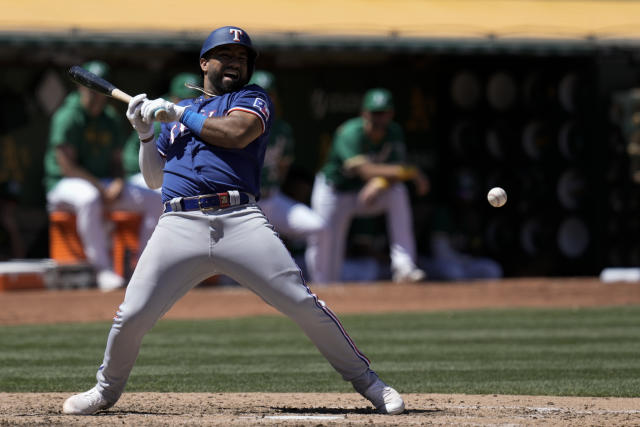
352, 147
347, 143
63, 129
130, 155
114, 124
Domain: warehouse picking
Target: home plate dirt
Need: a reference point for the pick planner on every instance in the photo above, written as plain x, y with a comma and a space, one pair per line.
325, 409
322, 409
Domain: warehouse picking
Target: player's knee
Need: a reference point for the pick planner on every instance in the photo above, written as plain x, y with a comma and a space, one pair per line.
89, 201
299, 308
295, 301
136, 318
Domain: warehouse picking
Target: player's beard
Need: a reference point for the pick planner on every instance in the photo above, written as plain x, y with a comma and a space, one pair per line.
221, 86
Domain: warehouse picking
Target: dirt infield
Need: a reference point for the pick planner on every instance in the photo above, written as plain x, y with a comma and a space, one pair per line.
223, 302
322, 409
325, 409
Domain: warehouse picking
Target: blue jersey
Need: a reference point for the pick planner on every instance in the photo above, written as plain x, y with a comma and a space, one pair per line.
194, 167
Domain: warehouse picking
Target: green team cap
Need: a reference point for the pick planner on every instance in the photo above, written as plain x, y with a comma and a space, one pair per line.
179, 90
264, 79
98, 68
377, 100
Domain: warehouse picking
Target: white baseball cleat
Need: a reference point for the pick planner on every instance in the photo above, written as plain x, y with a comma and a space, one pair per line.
86, 403
410, 275
384, 398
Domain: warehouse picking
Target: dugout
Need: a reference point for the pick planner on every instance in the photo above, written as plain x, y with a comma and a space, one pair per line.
537, 109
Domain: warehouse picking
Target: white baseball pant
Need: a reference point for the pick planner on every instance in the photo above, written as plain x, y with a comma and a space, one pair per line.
188, 247
326, 250
81, 197
138, 181
289, 217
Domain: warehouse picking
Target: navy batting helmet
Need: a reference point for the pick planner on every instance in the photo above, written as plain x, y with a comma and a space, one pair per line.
230, 35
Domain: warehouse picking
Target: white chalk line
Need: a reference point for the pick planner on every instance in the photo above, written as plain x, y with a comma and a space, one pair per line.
544, 409
298, 417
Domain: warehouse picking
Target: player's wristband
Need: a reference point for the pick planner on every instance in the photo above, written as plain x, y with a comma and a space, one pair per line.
380, 182
407, 172
193, 121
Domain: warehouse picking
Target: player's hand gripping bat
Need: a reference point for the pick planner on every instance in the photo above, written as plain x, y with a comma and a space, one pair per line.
88, 79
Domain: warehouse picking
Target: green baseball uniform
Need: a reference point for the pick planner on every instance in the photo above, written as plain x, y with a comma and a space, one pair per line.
335, 199
351, 146
93, 138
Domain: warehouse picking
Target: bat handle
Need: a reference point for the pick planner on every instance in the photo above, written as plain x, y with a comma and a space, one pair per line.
120, 95
125, 97
161, 115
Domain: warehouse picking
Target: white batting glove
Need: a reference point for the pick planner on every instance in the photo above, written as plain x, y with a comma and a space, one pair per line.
145, 130
161, 110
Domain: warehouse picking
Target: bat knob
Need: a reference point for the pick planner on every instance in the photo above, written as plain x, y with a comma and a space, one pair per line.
161, 114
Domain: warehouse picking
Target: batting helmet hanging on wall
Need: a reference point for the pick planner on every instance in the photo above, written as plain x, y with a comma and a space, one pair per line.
230, 35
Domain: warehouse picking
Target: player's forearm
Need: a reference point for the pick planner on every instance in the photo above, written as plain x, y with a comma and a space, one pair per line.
387, 171
78, 172
151, 163
71, 170
237, 130
220, 134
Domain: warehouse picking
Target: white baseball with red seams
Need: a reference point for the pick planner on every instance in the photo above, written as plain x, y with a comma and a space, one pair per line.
497, 197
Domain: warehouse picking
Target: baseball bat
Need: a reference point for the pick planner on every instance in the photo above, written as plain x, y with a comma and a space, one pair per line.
88, 79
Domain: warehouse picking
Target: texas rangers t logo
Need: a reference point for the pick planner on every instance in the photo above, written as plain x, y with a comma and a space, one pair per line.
237, 32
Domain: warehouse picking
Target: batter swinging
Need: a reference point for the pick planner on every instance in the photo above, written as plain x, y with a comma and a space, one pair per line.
207, 160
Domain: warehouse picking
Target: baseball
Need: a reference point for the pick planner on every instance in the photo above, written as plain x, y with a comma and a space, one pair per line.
497, 197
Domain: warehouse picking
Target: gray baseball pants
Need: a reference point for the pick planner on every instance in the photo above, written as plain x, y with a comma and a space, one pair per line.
188, 247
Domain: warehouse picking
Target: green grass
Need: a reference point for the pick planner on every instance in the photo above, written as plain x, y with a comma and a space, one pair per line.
585, 352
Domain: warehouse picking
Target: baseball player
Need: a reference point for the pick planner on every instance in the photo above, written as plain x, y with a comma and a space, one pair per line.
289, 217
177, 92
363, 176
207, 160
83, 174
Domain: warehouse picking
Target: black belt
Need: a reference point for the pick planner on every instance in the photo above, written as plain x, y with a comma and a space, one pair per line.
208, 201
